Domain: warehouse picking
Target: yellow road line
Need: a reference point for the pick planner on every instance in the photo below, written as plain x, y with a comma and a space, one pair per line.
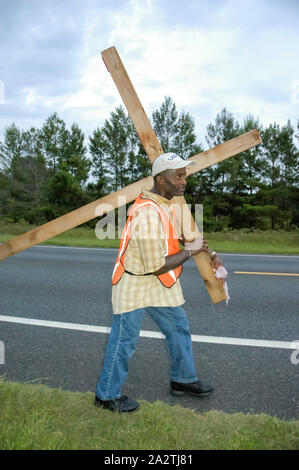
268, 274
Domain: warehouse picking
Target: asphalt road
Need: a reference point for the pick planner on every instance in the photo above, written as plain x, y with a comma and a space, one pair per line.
73, 285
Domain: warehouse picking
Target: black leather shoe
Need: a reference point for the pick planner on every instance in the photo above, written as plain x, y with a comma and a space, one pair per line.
196, 389
122, 404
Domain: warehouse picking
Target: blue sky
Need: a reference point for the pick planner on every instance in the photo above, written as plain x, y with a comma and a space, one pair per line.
242, 54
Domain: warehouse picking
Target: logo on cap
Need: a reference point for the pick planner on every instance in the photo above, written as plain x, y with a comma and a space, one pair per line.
172, 157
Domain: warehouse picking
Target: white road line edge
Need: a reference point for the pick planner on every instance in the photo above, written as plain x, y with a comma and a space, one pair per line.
115, 249
150, 334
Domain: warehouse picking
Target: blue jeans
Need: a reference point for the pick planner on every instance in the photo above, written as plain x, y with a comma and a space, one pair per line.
122, 343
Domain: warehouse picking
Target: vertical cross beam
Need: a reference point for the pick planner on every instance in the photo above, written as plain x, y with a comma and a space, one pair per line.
153, 149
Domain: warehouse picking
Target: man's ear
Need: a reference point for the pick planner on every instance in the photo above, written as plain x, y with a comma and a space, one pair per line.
160, 179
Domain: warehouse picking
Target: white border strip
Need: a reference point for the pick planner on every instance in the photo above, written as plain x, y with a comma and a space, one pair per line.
261, 343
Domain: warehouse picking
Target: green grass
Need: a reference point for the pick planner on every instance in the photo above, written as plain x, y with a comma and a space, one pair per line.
38, 417
258, 241
234, 241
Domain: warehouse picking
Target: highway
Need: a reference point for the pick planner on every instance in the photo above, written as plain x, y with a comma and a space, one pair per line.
55, 314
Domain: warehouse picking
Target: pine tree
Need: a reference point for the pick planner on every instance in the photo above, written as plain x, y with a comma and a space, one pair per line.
75, 160
165, 124
116, 146
11, 148
225, 174
54, 139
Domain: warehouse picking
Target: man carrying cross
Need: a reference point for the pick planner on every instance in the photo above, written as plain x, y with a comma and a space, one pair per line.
145, 279
137, 266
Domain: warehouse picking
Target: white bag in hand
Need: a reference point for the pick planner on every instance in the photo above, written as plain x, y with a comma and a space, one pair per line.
221, 273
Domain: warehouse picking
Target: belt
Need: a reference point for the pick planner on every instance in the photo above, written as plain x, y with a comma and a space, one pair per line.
132, 274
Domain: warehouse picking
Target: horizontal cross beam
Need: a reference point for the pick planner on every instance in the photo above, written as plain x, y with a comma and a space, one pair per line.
116, 199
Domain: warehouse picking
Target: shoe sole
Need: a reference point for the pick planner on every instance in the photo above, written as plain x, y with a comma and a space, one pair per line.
177, 393
103, 407
129, 411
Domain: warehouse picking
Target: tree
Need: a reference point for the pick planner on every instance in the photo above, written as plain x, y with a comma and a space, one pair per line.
10, 152
252, 161
289, 176
54, 138
184, 139
289, 156
25, 175
164, 124
4, 193
74, 160
97, 149
225, 175
280, 173
11, 148
116, 146
65, 194
226, 185
33, 176
138, 165
271, 171
65, 154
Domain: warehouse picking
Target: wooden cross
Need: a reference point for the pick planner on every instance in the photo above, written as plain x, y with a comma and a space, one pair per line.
128, 194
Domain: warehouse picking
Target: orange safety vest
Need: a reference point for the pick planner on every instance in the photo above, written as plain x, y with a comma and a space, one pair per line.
167, 279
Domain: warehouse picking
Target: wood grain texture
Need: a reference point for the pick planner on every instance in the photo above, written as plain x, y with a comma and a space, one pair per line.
221, 152
135, 109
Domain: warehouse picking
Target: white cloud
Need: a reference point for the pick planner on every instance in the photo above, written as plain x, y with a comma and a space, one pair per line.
199, 68
160, 62
205, 55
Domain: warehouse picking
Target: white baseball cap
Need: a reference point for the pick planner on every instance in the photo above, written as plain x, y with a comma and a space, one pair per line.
169, 161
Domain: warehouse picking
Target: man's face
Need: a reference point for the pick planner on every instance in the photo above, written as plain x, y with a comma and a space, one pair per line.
174, 182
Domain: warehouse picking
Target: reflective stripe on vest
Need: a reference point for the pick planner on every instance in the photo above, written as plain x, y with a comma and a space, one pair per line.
172, 244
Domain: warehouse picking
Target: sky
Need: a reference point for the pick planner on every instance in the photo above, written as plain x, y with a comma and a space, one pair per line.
204, 54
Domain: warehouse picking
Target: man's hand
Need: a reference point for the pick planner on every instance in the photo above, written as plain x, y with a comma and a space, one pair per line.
199, 245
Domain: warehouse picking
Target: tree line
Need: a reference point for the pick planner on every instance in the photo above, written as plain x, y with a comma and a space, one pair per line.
46, 172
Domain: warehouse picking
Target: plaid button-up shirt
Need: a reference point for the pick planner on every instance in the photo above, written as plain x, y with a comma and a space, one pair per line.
145, 254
